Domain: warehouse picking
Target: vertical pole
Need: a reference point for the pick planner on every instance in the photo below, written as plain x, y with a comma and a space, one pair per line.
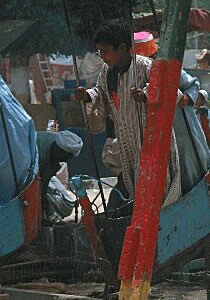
82, 104
195, 5
137, 257
138, 105
88, 217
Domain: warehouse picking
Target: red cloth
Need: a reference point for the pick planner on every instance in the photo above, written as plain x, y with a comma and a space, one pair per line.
115, 98
205, 126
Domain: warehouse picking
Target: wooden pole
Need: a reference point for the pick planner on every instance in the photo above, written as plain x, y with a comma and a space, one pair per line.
137, 257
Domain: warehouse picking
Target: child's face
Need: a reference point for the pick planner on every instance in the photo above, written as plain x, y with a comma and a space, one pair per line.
110, 55
200, 100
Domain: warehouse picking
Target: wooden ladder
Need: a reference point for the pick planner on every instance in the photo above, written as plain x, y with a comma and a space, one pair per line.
45, 71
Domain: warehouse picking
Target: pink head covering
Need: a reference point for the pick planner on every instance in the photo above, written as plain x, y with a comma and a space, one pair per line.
145, 43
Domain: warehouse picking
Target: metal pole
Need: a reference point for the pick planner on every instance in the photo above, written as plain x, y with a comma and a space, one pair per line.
151, 3
138, 105
82, 104
133, 46
195, 3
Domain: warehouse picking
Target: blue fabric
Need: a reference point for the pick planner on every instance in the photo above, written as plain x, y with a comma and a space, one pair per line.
193, 150
189, 85
22, 139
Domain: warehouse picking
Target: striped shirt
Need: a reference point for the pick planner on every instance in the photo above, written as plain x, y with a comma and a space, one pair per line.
129, 118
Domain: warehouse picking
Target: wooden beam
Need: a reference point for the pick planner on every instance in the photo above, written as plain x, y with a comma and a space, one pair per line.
137, 257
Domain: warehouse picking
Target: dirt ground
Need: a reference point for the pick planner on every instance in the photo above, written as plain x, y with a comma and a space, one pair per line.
178, 291
163, 291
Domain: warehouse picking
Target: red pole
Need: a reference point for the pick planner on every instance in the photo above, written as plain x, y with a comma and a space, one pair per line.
88, 217
88, 221
205, 126
138, 253
137, 257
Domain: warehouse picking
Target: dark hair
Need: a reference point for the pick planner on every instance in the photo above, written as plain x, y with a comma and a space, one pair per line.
58, 154
114, 32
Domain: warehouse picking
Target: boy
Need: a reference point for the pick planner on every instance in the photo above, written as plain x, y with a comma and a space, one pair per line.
116, 94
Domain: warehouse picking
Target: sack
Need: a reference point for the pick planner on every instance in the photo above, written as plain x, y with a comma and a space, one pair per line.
111, 156
63, 174
59, 204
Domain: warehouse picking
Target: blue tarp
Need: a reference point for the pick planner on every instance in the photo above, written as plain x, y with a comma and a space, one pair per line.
22, 140
194, 154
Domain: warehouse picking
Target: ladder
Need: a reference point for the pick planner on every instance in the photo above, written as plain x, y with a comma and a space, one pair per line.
45, 71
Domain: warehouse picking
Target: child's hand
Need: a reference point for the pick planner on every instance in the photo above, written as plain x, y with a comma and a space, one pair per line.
184, 100
138, 95
80, 94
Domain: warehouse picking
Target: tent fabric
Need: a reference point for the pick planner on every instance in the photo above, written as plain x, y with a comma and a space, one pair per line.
22, 140
194, 163
194, 154
14, 31
199, 20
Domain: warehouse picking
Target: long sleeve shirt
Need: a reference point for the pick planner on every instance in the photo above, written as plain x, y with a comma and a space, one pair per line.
129, 118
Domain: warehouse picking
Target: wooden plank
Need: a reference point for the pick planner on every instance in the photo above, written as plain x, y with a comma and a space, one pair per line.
19, 294
49, 287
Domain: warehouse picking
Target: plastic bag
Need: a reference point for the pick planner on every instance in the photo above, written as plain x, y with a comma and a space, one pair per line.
60, 204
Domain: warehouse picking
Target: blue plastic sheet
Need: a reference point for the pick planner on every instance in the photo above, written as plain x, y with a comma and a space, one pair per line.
194, 154
22, 140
